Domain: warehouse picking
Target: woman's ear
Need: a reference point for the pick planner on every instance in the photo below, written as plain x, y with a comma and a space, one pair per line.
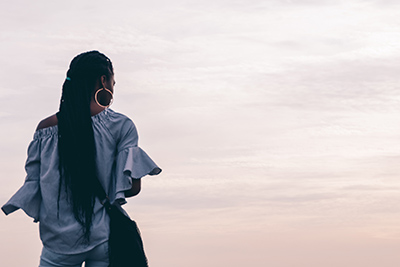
103, 79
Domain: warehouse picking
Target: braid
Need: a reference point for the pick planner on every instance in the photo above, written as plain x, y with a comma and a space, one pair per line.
76, 146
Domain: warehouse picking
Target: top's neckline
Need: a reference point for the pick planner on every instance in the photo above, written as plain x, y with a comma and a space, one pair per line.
54, 129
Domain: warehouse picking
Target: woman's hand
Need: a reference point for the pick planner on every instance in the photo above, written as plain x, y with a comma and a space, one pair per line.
135, 189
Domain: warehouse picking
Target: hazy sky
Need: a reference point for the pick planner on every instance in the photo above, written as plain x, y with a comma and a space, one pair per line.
275, 122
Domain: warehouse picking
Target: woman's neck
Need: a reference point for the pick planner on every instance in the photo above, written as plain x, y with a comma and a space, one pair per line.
94, 108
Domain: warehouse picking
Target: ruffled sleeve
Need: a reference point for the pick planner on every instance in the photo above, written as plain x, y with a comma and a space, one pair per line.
131, 162
28, 197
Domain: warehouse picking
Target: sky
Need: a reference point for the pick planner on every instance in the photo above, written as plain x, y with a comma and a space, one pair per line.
275, 123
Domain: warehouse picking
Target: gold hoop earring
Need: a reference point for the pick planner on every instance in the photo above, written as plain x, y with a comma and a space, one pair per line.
104, 98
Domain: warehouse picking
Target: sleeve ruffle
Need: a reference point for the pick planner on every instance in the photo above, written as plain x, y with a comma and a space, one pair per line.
132, 163
28, 197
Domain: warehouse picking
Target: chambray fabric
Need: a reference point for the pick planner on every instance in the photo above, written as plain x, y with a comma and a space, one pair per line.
118, 158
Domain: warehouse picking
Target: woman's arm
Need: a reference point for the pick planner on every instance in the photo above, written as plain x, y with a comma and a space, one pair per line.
135, 189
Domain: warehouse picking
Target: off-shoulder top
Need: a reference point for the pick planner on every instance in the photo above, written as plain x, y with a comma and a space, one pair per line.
118, 158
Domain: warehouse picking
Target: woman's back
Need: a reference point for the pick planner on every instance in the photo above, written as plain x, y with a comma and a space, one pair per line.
118, 160
74, 152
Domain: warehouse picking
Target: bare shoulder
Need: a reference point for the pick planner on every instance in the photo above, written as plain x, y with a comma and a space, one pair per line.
48, 122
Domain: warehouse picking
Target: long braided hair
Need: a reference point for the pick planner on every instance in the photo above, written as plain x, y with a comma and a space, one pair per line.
76, 146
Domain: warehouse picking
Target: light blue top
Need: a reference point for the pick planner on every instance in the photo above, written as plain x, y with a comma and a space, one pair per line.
118, 158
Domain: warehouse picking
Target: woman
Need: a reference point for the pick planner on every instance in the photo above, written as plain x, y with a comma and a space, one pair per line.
84, 142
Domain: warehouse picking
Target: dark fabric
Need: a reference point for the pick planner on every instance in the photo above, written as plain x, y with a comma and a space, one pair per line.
125, 243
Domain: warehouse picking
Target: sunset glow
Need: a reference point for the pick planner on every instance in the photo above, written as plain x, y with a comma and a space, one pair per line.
276, 124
